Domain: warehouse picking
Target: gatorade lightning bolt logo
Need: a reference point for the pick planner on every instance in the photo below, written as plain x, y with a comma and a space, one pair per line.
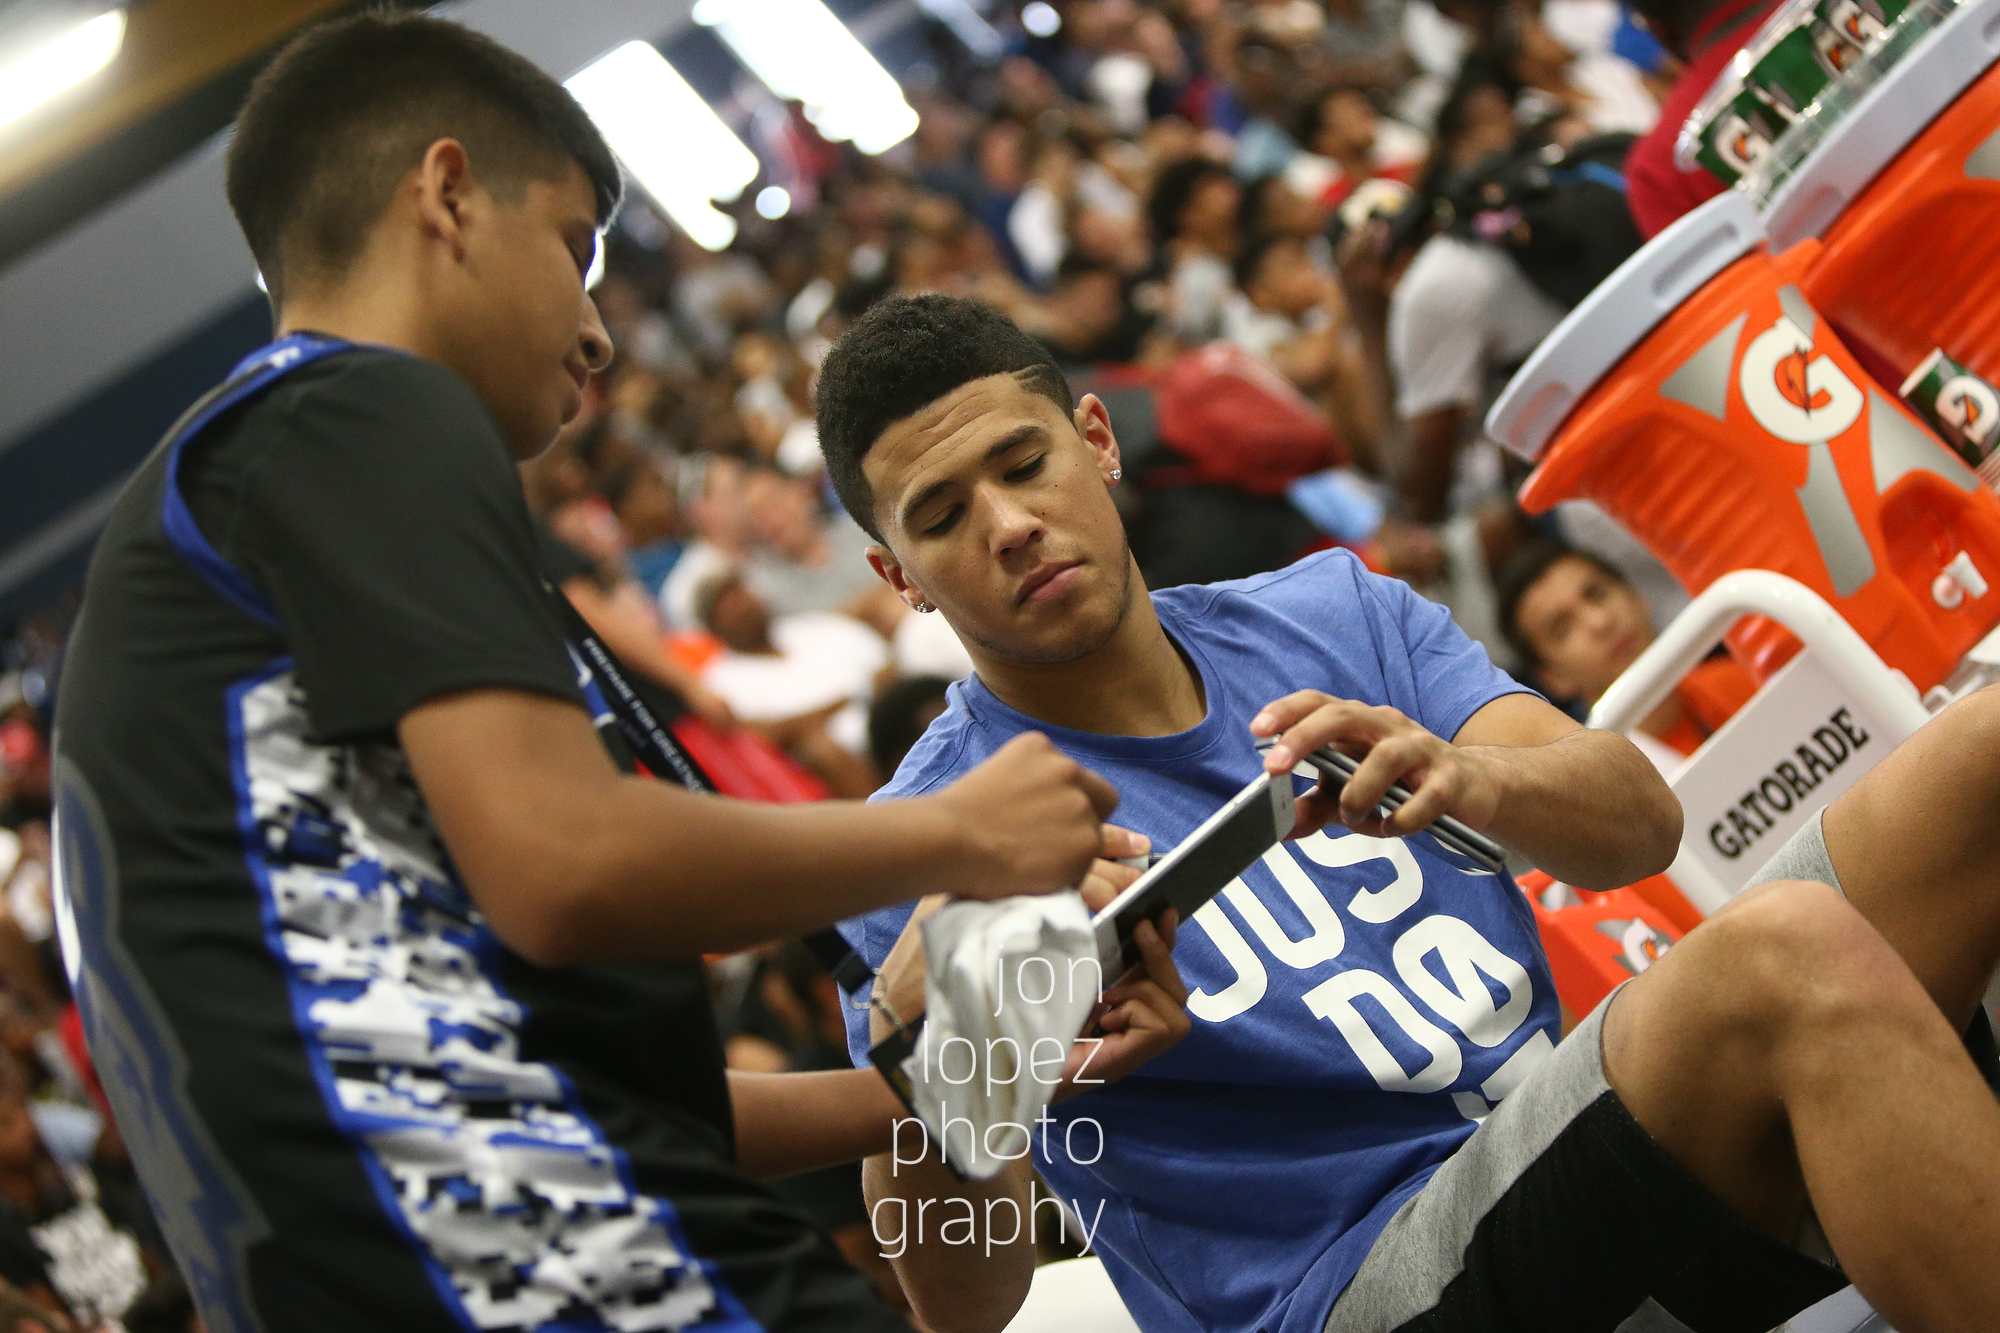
1968, 403
1639, 945
1853, 22
1791, 380
1792, 393
1739, 145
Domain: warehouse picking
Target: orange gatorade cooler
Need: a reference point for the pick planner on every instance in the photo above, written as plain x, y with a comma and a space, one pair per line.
1700, 399
1596, 940
1901, 182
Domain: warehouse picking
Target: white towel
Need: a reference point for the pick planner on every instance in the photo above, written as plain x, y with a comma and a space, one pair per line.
1010, 986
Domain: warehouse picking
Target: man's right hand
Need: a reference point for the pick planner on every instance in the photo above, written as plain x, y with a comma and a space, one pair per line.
1029, 820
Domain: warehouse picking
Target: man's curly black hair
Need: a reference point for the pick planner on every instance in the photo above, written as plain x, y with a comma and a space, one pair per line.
905, 353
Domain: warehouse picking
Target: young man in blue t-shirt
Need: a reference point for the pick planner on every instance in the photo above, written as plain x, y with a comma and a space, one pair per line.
1364, 1001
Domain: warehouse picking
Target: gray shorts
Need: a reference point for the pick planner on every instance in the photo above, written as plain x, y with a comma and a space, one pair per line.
1802, 857
1562, 1215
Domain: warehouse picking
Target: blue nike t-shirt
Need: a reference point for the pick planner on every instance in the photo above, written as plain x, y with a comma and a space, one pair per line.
1357, 1002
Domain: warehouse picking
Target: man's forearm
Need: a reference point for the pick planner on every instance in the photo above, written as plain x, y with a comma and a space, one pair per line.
787, 1123
1378, 388
964, 1288
1587, 808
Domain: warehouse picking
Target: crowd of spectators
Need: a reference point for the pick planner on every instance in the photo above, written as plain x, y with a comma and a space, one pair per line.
1296, 182
79, 1247
1136, 183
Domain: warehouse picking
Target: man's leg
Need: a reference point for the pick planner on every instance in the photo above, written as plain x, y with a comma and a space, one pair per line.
1914, 846
1786, 1048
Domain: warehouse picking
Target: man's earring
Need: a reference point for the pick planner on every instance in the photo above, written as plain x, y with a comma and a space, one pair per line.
1117, 472
924, 608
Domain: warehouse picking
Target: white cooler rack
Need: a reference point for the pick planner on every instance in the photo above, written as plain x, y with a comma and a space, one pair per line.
1837, 684
1835, 671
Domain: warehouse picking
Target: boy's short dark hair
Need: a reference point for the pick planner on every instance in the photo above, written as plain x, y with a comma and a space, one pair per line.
335, 121
906, 352
1523, 571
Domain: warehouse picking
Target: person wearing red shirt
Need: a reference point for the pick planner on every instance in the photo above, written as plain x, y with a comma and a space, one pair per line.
1703, 34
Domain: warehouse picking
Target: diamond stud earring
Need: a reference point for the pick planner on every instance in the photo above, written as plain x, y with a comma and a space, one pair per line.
1117, 473
925, 608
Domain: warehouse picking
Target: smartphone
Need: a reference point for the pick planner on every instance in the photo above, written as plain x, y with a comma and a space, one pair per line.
1225, 845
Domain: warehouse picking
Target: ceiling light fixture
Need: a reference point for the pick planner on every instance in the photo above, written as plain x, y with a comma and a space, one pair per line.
60, 65
801, 52
773, 202
671, 142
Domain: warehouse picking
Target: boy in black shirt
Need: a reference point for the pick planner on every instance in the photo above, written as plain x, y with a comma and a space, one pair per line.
392, 978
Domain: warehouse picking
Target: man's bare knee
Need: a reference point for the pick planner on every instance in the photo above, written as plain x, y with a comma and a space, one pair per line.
1731, 986
1795, 955
1788, 973
1703, 1047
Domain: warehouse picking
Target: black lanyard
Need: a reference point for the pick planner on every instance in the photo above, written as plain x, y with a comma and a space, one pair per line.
637, 722
656, 747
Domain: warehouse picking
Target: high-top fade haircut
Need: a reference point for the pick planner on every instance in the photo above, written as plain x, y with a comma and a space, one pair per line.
908, 352
334, 123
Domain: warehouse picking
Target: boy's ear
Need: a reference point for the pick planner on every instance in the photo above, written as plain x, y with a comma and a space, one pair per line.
890, 570
443, 185
1093, 423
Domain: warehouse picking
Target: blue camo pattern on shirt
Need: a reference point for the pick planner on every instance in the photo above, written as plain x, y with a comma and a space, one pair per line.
1357, 1002
525, 1214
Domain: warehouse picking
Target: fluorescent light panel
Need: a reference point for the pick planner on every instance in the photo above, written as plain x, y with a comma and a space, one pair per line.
60, 65
801, 52
670, 141
969, 24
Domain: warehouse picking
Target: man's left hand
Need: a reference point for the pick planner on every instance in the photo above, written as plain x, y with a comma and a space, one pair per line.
1142, 1016
1441, 777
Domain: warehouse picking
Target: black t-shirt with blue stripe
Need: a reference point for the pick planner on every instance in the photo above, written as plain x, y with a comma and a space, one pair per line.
352, 1105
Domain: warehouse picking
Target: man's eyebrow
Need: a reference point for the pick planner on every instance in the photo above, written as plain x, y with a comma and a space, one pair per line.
1012, 440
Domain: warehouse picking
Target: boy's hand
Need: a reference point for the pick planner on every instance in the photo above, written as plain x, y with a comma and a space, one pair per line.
1441, 777
1029, 820
903, 976
1107, 877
